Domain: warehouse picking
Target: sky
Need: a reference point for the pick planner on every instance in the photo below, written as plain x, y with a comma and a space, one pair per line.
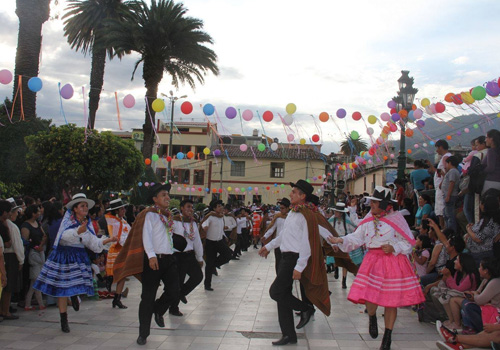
319, 55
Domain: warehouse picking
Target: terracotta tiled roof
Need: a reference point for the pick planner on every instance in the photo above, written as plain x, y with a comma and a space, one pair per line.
296, 153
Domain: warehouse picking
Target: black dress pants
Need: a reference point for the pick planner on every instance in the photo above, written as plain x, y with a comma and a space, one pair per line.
217, 253
187, 265
277, 258
237, 246
168, 274
281, 292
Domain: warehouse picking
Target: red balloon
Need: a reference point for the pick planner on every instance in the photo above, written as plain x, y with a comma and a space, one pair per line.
169, 159
315, 138
393, 110
268, 116
457, 99
356, 116
440, 107
186, 107
267, 188
200, 189
220, 190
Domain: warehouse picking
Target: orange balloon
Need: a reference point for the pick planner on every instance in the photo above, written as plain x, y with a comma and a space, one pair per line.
409, 151
147, 161
386, 130
190, 154
409, 132
448, 137
413, 107
214, 190
385, 158
403, 113
449, 97
323, 116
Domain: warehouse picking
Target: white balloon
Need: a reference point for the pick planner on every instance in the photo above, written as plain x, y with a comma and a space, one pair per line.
369, 131
274, 146
288, 119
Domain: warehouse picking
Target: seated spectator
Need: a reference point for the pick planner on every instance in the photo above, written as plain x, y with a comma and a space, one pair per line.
489, 339
424, 209
465, 278
480, 236
422, 253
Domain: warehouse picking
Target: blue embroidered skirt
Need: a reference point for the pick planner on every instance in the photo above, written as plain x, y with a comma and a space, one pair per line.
66, 273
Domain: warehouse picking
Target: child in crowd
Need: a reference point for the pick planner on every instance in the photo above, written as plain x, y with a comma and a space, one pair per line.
422, 253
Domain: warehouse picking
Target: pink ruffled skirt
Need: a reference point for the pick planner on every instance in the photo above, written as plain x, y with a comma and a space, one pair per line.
386, 280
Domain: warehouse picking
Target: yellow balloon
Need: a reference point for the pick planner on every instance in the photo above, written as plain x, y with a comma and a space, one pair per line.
467, 98
498, 115
372, 119
206, 151
291, 108
384, 135
158, 105
229, 188
302, 141
425, 102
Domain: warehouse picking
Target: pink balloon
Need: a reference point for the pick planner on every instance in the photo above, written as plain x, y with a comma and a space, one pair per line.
247, 115
418, 113
466, 130
243, 147
385, 117
256, 189
178, 188
129, 101
5, 76
236, 189
415, 145
290, 137
67, 91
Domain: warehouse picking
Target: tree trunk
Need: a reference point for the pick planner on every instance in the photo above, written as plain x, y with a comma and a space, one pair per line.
152, 75
96, 82
32, 14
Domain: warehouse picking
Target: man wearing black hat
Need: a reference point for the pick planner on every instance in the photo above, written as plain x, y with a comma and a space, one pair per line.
148, 254
276, 227
217, 252
302, 259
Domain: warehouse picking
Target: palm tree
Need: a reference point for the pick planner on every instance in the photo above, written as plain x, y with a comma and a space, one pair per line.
167, 41
351, 147
84, 28
32, 15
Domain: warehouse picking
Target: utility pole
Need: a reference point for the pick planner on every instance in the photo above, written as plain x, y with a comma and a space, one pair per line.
172, 99
221, 166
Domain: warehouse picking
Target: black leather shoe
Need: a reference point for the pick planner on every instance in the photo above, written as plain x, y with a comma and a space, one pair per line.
285, 340
159, 321
386, 341
75, 302
183, 299
336, 273
175, 312
209, 288
305, 316
141, 340
373, 327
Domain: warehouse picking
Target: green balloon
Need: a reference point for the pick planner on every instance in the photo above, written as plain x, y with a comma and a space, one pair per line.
354, 135
307, 180
282, 185
243, 189
478, 93
475, 126
155, 157
261, 147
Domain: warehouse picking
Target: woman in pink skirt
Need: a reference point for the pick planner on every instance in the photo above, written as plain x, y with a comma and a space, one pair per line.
386, 276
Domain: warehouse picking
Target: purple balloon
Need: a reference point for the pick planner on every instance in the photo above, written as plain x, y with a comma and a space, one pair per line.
230, 112
341, 113
391, 104
459, 133
385, 117
395, 117
492, 89
67, 91
420, 123
217, 153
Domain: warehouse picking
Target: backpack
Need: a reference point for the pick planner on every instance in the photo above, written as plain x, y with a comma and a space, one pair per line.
476, 176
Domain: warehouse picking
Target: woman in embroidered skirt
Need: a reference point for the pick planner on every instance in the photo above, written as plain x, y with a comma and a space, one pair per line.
386, 276
117, 227
67, 272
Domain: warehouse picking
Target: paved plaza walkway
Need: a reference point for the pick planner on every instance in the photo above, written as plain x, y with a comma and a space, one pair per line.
238, 315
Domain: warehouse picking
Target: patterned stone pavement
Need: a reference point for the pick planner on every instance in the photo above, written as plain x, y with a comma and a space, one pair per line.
238, 315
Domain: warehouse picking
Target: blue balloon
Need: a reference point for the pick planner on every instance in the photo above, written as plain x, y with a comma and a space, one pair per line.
139, 184
411, 116
432, 143
249, 188
180, 155
208, 109
275, 185
35, 84
207, 189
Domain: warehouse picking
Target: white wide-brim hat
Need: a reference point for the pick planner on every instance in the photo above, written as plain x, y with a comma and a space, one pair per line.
339, 206
77, 198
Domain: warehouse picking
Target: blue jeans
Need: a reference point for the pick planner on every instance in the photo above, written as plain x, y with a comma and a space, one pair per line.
469, 207
471, 315
449, 213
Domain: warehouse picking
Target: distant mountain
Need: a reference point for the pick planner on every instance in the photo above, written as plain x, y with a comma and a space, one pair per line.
436, 129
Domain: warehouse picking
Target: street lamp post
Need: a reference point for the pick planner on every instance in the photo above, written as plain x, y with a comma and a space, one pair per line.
172, 99
332, 160
404, 100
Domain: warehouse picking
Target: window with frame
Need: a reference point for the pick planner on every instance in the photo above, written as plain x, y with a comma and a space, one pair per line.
161, 173
278, 170
180, 176
238, 168
198, 152
199, 177
180, 148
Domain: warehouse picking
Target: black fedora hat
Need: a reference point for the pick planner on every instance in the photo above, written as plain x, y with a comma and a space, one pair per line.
313, 199
285, 202
304, 186
380, 194
115, 204
153, 190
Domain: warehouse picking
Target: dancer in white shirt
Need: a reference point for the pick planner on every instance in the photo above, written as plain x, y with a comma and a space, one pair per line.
275, 228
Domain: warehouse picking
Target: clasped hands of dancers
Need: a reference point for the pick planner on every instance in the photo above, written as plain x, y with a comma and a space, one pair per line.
158, 241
